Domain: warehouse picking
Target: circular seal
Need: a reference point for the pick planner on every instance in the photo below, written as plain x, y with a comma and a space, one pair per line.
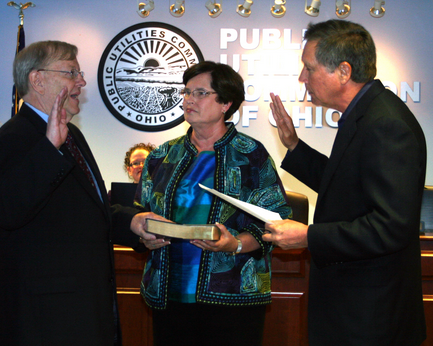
140, 75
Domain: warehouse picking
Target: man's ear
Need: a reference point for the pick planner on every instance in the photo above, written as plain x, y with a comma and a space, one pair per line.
36, 82
344, 71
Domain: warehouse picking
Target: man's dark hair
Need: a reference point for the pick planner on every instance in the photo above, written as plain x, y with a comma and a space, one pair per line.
338, 41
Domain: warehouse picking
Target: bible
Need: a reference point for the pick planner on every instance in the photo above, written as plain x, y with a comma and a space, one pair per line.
175, 230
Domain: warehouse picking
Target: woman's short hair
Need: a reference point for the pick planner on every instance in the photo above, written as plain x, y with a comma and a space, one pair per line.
340, 40
36, 56
227, 83
127, 161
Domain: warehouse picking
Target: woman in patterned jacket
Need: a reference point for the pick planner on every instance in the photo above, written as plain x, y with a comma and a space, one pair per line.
210, 292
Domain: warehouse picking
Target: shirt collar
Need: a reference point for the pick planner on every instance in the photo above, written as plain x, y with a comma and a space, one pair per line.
354, 102
39, 112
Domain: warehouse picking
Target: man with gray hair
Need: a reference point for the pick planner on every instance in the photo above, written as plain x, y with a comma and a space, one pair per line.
365, 276
56, 227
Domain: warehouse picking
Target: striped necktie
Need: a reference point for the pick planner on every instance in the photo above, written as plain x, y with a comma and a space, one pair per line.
76, 153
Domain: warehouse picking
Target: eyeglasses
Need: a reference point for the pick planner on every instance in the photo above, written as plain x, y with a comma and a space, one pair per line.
73, 73
136, 164
197, 93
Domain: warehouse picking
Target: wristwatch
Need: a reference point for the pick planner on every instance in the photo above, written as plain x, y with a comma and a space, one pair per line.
239, 248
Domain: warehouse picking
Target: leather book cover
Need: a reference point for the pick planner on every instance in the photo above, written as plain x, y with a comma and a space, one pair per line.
175, 230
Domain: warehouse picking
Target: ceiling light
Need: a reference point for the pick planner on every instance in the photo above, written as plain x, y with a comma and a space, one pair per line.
342, 8
278, 9
244, 10
377, 10
313, 9
214, 8
144, 9
177, 9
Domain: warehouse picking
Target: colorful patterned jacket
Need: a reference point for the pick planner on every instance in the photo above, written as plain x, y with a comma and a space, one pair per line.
244, 170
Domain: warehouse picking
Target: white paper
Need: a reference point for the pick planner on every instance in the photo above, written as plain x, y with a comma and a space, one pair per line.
259, 212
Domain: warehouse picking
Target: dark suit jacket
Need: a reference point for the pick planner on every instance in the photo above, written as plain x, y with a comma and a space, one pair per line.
365, 279
56, 235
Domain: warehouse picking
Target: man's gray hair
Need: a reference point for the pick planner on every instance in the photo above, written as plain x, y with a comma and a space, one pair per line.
37, 56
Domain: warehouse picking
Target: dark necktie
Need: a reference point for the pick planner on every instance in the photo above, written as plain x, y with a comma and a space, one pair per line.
75, 152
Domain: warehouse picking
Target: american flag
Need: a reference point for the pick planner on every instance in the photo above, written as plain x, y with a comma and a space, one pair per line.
21, 43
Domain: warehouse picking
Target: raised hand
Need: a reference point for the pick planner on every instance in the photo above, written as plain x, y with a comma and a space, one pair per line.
286, 130
57, 128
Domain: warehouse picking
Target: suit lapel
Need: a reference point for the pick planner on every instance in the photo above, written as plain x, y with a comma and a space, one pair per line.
77, 172
39, 124
342, 141
345, 135
88, 156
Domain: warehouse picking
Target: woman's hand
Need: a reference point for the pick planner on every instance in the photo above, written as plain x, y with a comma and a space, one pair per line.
139, 227
228, 242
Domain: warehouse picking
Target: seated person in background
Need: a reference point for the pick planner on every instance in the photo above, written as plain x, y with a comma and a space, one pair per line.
134, 160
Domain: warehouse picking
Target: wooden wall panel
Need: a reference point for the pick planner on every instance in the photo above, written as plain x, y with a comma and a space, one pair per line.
427, 285
135, 319
284, 324
135, 315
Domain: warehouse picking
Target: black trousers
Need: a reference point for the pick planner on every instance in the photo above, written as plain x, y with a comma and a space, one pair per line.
208, 325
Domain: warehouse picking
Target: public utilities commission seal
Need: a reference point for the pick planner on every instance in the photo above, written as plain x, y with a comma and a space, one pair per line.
140, 75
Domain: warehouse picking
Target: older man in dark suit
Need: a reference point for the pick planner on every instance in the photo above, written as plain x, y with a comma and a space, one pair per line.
365, 278
56, 226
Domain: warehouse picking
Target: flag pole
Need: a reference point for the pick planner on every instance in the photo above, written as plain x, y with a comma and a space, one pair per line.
20, 45
21, 8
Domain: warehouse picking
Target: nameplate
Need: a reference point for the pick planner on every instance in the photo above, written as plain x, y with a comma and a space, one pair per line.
175, 230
